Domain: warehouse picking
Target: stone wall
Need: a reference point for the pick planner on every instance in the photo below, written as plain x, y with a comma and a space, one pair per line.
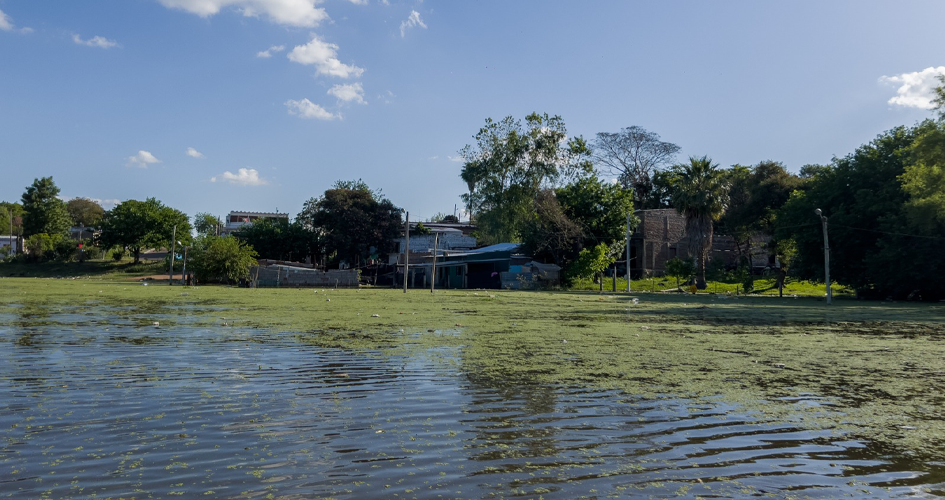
298, 277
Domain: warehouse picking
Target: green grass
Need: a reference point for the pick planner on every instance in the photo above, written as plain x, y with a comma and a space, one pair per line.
763, 286
108, 269
873, 364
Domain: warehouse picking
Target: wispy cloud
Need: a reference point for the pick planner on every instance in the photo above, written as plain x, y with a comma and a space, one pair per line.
348, 93
6, 24
286, 12
324, 56
358, 2
456, 159
107, 204
268, 52
243, 177
142, 160
412, 21
193, 153
310, 110
916, 88
95, 41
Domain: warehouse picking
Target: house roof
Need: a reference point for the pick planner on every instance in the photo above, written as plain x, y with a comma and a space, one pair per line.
498, 247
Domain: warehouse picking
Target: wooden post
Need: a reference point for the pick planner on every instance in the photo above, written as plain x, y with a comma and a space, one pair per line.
614, 288
406, 246
436, 239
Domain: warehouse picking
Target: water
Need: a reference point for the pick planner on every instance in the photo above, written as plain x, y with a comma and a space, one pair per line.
110, 407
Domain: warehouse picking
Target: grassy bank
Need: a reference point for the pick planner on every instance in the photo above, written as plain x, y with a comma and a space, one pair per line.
865, 368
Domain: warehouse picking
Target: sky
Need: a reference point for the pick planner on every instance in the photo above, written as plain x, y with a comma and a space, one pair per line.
260, 105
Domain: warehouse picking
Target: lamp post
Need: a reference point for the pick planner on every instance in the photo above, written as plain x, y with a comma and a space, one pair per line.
406, 246
170, 273
823, 221
183, 272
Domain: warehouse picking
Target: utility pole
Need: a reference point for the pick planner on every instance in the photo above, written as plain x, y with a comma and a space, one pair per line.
823, 221
436, 239
170, 275
406, 246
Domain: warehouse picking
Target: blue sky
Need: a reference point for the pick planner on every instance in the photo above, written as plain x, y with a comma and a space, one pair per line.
177, 99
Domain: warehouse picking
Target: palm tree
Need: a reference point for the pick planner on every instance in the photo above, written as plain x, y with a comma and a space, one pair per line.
701, 195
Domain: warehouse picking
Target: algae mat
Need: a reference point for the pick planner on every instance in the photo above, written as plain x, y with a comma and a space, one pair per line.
871, 371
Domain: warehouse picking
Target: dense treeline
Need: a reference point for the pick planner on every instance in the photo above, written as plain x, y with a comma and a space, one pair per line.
531, 183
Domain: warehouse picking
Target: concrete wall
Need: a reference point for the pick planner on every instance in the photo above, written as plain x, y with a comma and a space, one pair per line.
298, 277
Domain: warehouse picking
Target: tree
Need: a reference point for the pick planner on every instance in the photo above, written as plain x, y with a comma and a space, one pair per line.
277, 239
43, 211
551, 234
634, 155
353, 223
221, 258
206, 224
11, 218
85, 212
599, 208
700, 194
144, 224
939, 99
878, 244
755, 194
680, 269
510, 164
591, 262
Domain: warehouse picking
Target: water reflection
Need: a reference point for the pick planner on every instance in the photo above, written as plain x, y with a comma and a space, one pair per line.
129, 410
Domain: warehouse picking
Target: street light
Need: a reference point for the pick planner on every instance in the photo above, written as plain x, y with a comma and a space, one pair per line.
823, 221
406, 246
183, 273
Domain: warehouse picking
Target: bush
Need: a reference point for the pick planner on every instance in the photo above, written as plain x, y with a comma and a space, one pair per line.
221, 258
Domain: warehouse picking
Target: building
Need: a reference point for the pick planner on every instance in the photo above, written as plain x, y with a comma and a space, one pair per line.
237, 219
661, 236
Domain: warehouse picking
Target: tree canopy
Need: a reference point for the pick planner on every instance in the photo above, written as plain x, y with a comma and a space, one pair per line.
221, 258
278, 239
881, 202
635, 155
144, 224
85, 212
206, 224
510, 163
43, 212
352, 222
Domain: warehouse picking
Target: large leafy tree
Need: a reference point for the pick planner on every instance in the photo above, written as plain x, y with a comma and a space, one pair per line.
85, 212
352, 222
635, 155
206, 224
600, 208
145, 224
508, 166
755, 195
43, 212
881, 202
700, 194
11, 218
278, 239
551, 234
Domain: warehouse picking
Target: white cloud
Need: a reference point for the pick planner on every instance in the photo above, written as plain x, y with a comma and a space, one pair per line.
95, 41
358, 2
6, 24
106, 204
412, 21
915, 89
323, 56
268, 52
142, 160
193, 153
288, 12
308, 109
243, 176
456, 159
349, 92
